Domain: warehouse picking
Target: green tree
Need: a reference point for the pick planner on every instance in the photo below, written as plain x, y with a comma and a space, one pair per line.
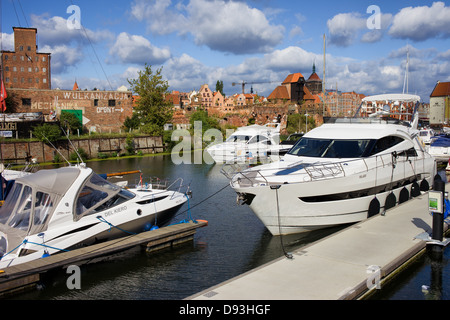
47, 132
207, 122
297, 123
152, 109
69, 121
219, 87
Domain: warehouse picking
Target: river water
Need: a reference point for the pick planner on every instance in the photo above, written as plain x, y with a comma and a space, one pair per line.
234, 242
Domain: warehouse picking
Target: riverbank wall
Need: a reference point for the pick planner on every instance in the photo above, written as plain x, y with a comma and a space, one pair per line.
20, 152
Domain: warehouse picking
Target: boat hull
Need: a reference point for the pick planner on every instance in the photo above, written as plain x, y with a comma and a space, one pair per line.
286, 207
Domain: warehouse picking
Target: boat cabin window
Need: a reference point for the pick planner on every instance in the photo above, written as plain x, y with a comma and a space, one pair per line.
21, 217
330, 148
25, 208
238, 138
98, 195
384, 144
7, 208
257, 139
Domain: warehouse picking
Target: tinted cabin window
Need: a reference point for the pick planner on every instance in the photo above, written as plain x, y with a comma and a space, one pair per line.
385, 143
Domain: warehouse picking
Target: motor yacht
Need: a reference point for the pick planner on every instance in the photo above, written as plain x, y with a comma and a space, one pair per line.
249, 144
338, 173
58, 210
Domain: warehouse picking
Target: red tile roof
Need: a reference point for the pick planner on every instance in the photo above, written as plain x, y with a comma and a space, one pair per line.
280, 92
314, 77
441, 89
292, 78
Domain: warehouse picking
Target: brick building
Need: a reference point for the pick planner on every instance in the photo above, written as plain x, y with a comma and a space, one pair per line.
25, 67
100, 111
290, 90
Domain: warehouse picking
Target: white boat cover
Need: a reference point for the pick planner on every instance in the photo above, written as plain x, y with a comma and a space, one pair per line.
392, 97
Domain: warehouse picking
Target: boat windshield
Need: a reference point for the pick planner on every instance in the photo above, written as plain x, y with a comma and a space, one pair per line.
330, 148
97, 195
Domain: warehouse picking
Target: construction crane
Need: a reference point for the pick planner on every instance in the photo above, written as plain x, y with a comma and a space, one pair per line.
244, 83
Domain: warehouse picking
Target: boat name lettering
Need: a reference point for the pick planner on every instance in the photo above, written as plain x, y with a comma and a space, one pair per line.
117, 210
362, 176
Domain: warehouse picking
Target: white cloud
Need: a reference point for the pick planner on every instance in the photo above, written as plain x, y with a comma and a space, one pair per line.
138, 50
224, 26
7, 41
232, 27
63, 57
54, 31
422, 23
344, 28
161, 19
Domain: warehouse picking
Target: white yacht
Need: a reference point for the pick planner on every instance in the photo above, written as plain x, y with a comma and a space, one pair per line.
57, 210
338, 173
248, 144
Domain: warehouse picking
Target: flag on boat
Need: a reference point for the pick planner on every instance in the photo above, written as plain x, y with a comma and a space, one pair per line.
3, 97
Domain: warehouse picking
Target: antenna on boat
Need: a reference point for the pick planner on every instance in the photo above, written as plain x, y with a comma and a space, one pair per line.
70, 141
406, 80
56, 149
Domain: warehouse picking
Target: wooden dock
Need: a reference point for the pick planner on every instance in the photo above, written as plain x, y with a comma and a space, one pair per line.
25, 276
347, 265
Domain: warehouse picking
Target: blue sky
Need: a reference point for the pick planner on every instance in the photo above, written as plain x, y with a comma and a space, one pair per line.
202, 41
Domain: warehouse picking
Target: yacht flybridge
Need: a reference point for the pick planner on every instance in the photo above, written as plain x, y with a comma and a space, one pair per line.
340, 173
57, 210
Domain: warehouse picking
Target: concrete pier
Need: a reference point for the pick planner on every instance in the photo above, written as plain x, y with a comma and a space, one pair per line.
344, 265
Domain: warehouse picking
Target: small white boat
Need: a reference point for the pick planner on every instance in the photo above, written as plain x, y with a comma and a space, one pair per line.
427, 135
57, 210
248, 144
440, 148
338, 173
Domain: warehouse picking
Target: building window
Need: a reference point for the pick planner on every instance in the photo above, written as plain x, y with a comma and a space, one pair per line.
30, 69
6, 68
21, 48
44, 80
44, 69
6, 79
15, 69
22, 69
36, 69
111, 103
22, 58
43, 59
29, 48
37, 80
95, 102
6, 57
26, 101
